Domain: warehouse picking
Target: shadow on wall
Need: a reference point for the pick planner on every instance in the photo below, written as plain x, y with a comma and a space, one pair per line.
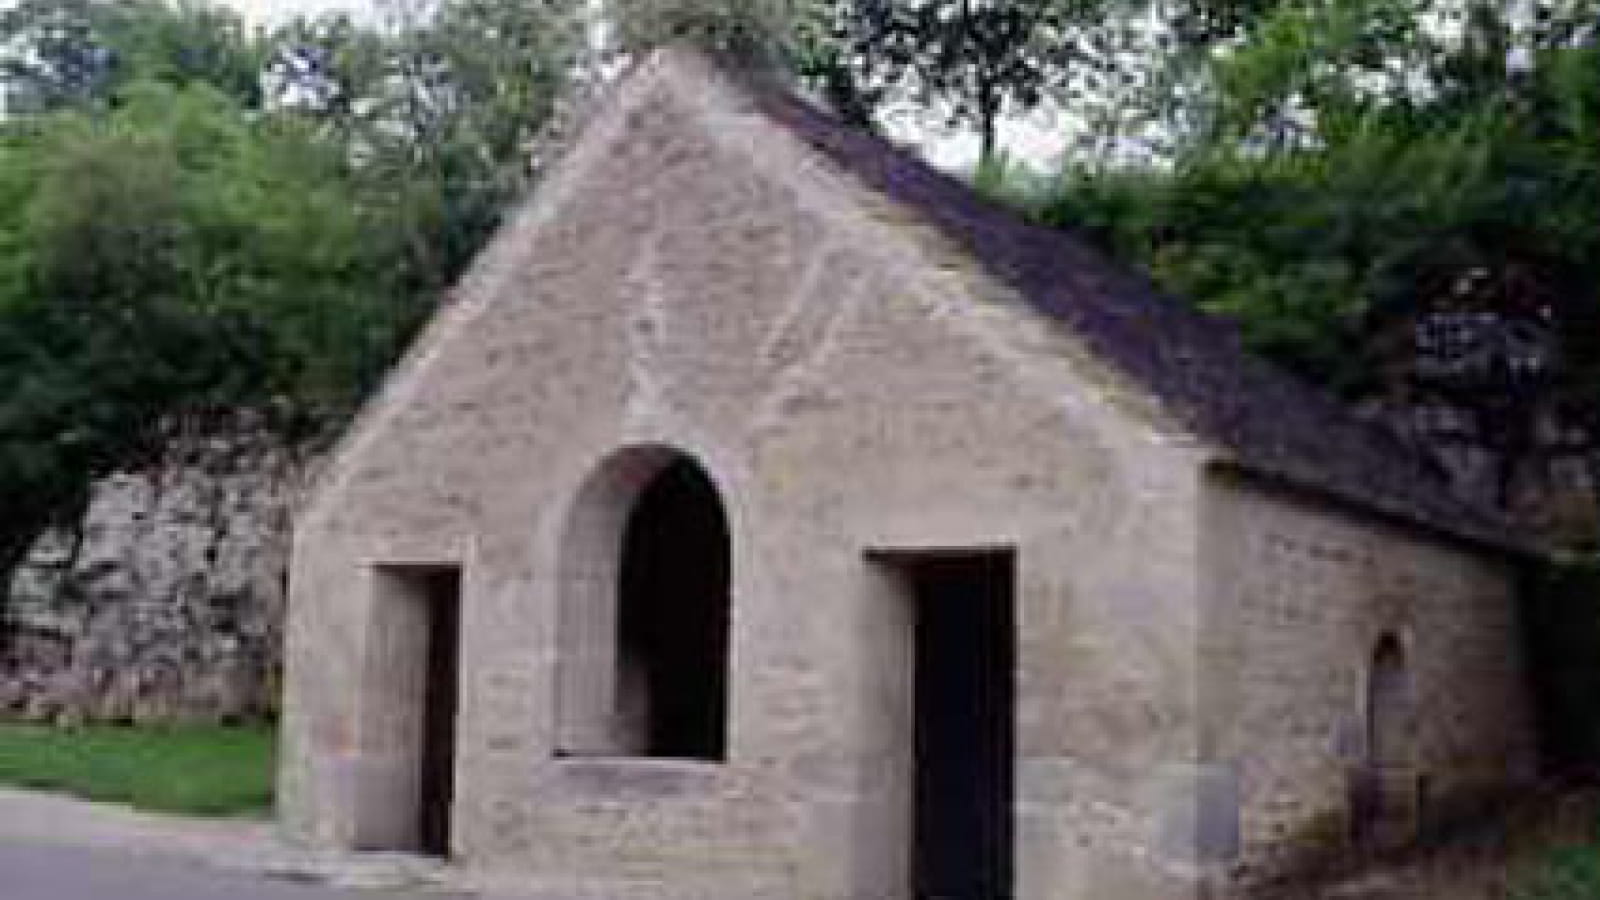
1561, 633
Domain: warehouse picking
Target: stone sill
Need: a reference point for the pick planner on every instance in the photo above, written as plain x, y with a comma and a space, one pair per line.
637, 778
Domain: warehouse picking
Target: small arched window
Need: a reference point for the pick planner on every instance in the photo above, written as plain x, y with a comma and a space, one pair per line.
1387, 792
1388, 707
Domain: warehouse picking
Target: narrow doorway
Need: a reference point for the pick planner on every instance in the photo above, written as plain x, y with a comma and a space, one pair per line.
436, 793
963, 742
412, 675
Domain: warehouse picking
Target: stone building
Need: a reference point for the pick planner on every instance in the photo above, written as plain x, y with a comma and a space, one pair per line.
770, 517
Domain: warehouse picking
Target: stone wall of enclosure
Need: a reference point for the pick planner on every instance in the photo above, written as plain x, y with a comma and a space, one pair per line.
164, 600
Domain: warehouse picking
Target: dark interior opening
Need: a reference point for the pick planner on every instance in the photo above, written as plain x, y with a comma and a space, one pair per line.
1386, 703
442, 590
964, 727
673, 615
1384, 796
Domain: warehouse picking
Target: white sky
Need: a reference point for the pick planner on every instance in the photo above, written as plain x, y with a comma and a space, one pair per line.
1038, 139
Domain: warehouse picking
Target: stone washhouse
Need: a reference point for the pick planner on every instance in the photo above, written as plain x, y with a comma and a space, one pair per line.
768, 516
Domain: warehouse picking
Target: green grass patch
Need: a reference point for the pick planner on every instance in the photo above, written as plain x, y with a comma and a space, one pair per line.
195, 770
1567, 873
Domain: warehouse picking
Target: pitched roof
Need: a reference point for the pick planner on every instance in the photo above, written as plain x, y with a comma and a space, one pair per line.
1266, 421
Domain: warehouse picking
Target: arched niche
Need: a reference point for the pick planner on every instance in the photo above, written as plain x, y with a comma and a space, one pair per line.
1389, 707
1386, 803
644, 610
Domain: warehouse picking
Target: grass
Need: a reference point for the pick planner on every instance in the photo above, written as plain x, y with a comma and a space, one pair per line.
194, 770
1570, 873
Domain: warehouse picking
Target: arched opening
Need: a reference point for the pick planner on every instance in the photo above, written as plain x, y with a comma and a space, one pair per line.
1388, 720
1387, 798
642, 664
672, 621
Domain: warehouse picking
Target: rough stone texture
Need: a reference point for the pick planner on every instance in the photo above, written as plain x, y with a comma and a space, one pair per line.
165, 600
1301, 596
693, 277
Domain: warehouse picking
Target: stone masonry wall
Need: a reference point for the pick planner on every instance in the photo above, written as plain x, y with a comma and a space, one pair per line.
164, 601
1301, 596
859, 392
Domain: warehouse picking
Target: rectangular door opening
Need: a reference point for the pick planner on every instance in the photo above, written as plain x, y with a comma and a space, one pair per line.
963, 726
413, 677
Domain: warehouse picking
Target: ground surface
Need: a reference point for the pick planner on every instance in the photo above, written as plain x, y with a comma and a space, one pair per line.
1545, 846
49, 872
58, 848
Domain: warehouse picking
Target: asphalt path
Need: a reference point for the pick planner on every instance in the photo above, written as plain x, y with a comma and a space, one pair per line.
43, 872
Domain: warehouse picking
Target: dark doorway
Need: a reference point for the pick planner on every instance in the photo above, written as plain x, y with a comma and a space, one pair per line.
442, 588
964, 722
673, 617
409, 711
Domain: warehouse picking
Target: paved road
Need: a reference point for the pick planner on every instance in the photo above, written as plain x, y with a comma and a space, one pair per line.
43, 872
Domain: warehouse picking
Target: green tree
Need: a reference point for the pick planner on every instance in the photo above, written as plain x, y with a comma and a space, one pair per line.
66, 52
445, 111
195, 216
1394, 202
978, 61
981, 60
173, 254
773, 34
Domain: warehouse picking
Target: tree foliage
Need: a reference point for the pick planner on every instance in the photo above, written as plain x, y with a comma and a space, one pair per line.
775, 34
56, 53
979, 59
1399, 199
975, 60
1395, 197
198, 215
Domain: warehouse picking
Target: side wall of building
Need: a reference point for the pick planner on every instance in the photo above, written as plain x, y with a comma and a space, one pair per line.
854, 389
1304, 600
